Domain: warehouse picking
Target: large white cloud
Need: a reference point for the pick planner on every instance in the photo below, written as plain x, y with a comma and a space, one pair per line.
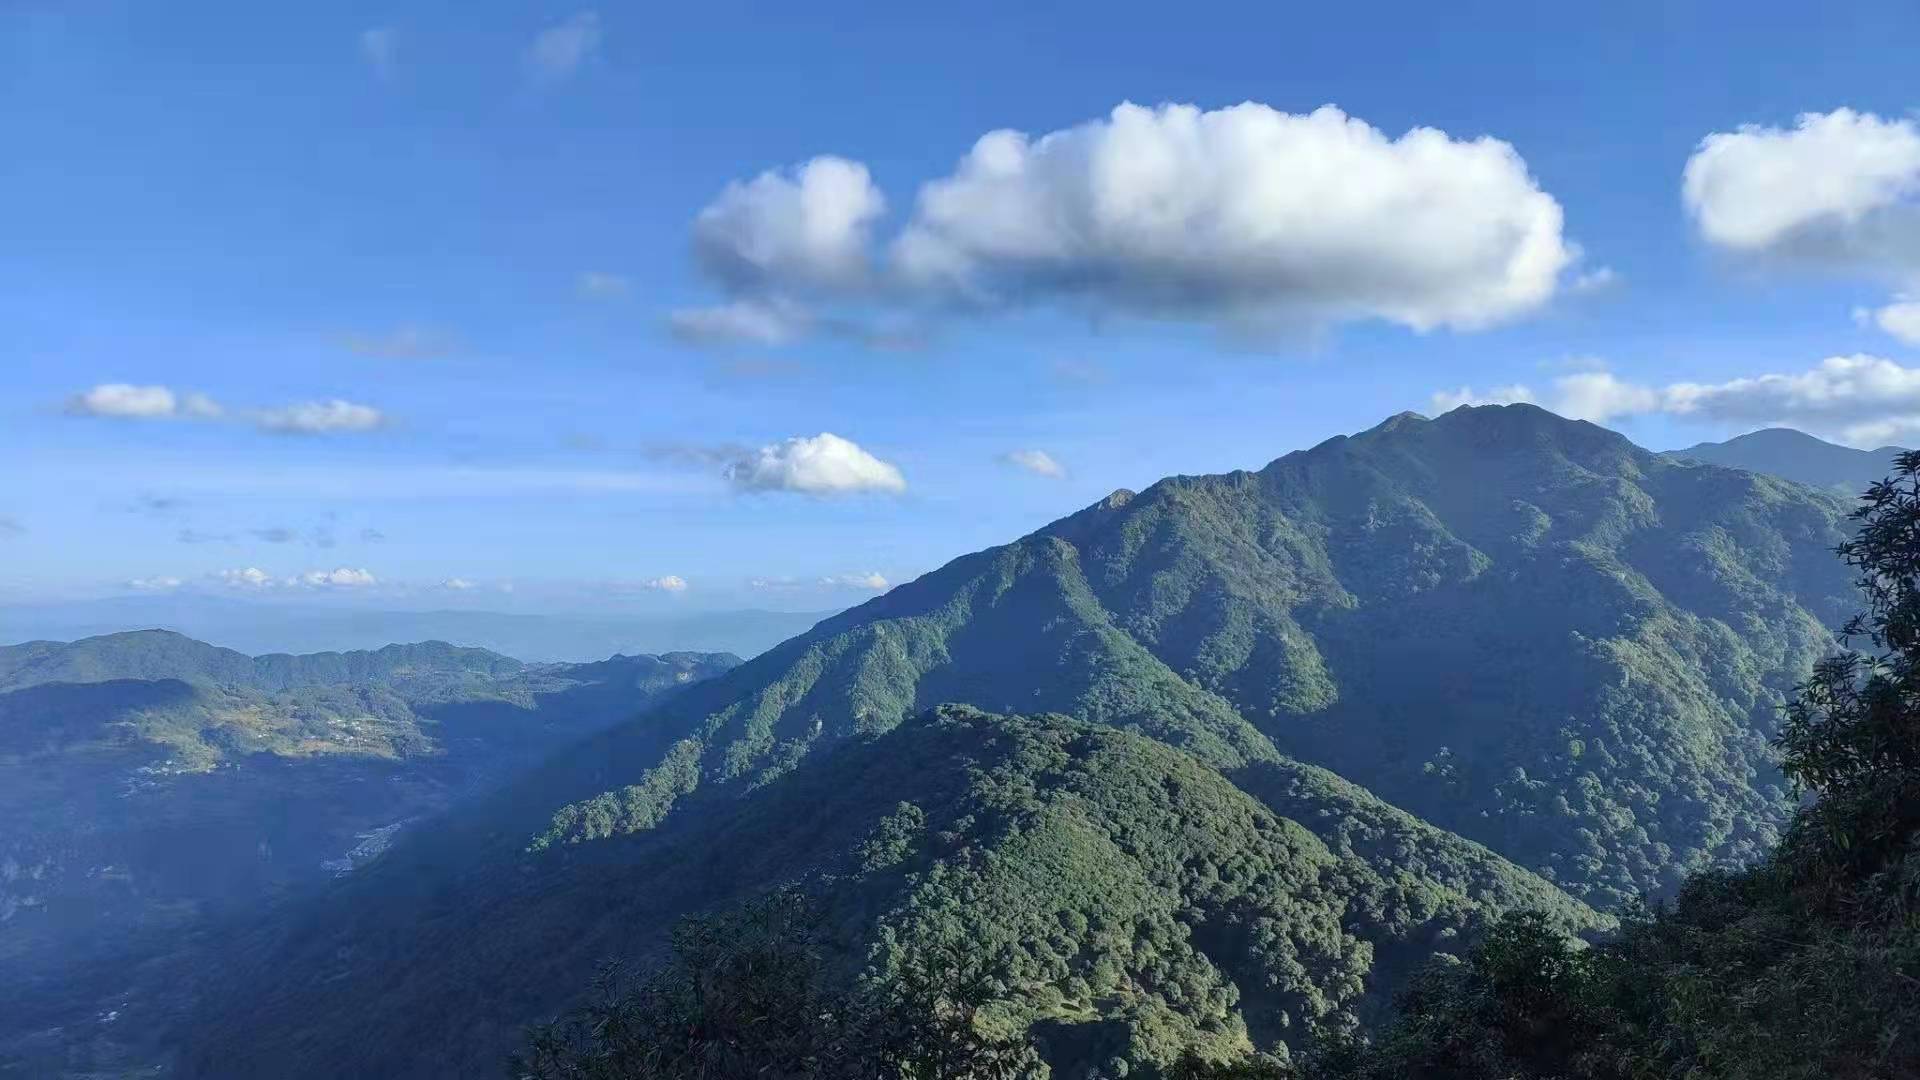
1860, 399
804, 229
1247, 218
1831, 186
1246, 214
823, 464
669, 583
1838, 192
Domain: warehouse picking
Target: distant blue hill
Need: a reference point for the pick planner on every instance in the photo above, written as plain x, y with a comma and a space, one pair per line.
1798, 456
255, 627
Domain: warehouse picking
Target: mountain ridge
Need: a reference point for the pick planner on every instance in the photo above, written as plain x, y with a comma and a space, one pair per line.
1800, 457
1497, 658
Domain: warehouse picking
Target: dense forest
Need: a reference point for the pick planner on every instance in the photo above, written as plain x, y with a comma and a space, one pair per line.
1804, 966
1226, 763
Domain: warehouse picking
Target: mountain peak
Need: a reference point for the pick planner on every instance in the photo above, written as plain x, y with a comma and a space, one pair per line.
1797, 456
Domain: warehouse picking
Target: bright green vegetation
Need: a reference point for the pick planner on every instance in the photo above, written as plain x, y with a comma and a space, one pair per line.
1118, 896
151, 785
1522, 629
1805, 966
1197, 778
1408, 681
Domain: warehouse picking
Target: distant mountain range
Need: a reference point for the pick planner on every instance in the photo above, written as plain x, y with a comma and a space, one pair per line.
1799, 457
1230, 756
151, 784
263, 626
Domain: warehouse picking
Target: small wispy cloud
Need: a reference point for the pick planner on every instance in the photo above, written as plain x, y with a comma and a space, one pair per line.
245, 577
126, 401
455, 584
155, 584
1599, 279
600, 285
321, 418
405, 342
1078, 372
559, 51
669, 583
254, 578
10, 526
1037, 462
1899, 319
131, 403
156, 505
740, 322
871, 581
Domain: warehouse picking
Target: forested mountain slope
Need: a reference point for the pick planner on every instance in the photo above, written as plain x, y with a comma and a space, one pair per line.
190, 782
162, 654
1126, 897
1521, 628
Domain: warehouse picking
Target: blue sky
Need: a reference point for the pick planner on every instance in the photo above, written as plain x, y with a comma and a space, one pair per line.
423, 262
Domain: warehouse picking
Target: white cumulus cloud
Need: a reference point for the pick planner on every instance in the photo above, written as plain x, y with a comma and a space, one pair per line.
129, 402
250, 577
1246, 218
1245, 214
670, 583
803, 229
342, 578
1820, 188
1038, 462
823, 464
455, 584
559, 50
1900, 319
1838, 192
